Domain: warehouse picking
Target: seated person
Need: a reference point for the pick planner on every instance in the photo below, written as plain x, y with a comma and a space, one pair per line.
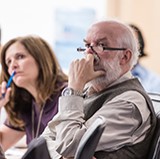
149, 79
32, 100
101, 84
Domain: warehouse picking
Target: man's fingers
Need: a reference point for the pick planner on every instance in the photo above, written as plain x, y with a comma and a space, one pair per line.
89, 57
100, 73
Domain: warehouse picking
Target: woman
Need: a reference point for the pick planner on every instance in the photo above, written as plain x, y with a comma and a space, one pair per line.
31, 101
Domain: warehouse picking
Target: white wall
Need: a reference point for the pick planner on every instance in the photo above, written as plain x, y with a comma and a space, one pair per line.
21, 17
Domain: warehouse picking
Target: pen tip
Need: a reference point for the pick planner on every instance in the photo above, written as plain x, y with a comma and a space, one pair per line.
14, 72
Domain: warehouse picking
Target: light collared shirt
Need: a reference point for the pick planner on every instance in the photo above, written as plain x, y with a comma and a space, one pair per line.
127, 121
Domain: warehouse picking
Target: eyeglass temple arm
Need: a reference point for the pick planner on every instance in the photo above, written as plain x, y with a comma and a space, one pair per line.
111, 48
80, 49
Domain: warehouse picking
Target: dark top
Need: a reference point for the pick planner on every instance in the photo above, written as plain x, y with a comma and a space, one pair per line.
50, 110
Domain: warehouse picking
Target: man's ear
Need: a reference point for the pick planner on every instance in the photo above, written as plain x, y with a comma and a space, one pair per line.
127, 54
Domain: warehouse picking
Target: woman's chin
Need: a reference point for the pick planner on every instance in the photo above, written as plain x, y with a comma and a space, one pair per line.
20, 84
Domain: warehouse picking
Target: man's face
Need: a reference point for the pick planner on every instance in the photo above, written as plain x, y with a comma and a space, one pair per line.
109, 61
113, 71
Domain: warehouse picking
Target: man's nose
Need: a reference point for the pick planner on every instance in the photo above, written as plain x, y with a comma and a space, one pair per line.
90, 50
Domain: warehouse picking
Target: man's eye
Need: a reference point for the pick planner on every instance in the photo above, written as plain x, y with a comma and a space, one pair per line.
101, 44
87, 45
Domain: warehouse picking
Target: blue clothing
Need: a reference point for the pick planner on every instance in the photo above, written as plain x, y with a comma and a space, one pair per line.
149, 79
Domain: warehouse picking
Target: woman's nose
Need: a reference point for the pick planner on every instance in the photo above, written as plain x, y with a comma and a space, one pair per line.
13, 65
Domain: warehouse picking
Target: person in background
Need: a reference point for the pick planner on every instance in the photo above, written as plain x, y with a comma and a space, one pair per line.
145, 75
101, 84
31, 101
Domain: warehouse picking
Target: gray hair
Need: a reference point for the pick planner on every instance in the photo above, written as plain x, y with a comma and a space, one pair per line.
129, 41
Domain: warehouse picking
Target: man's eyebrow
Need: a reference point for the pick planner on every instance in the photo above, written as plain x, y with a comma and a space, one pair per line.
102, 39
84, 40
97, 41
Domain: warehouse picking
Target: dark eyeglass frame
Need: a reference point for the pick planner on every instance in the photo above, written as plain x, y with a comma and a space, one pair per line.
104, 48
113, 48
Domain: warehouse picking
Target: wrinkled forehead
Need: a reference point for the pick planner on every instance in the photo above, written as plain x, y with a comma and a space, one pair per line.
107, 31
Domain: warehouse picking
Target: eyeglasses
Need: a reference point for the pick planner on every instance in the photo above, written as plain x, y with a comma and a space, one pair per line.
100, 48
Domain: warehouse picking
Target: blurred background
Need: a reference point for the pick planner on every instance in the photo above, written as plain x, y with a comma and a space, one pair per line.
64, 23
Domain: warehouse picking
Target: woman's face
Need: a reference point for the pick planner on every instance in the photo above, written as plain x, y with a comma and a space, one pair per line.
17, 58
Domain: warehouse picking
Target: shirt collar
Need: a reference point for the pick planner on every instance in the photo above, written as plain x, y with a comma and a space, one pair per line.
124, 77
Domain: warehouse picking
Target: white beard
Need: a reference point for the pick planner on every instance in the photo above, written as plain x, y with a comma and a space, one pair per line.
113, 72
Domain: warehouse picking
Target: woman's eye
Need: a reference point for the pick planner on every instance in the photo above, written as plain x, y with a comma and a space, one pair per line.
20, 56
8, 62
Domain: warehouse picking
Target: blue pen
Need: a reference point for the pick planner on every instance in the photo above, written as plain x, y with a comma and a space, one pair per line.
9, 82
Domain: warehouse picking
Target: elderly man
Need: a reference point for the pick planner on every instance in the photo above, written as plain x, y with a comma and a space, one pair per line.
101, 84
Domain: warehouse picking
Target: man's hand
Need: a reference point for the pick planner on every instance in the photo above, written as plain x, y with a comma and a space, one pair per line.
82, 71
